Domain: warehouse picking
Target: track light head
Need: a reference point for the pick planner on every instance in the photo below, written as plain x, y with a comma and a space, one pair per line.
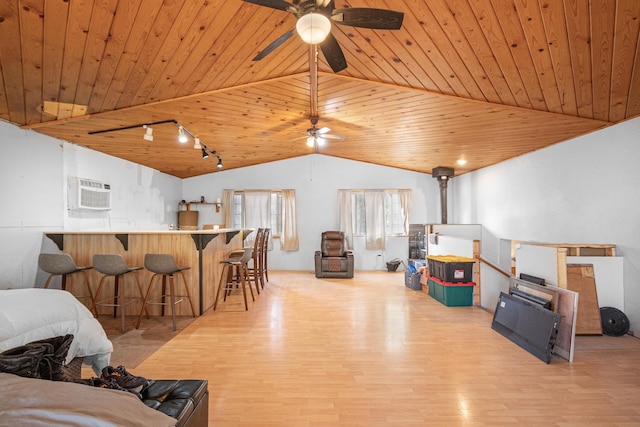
148, 135
182, 137
196, 143
205, 155
219, 165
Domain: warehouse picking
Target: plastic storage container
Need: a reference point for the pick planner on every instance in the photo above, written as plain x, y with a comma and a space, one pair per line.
449, 268
412, 281
451, 294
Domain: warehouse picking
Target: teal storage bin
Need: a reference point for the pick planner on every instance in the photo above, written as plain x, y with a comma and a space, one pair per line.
451, 294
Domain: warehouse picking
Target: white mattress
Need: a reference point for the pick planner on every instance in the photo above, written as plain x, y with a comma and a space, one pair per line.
33, 314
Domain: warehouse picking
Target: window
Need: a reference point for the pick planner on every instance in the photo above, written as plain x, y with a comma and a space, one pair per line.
275, 211
394, 215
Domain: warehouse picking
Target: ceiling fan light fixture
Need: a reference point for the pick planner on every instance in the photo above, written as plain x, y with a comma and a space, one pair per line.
320, 141
311, 141
313, 28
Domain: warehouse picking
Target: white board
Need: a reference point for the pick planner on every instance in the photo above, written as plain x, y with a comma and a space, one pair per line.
448, 245
538, 261
469, 231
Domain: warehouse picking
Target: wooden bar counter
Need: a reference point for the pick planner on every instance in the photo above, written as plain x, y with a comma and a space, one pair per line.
201, 250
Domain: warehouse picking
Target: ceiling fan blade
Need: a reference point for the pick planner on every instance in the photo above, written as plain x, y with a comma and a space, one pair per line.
323, 130
275, 4
363, 17
333, 53
329, 136
277, 42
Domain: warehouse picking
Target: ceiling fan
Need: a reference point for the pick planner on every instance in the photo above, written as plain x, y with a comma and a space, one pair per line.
317, 137
314, 25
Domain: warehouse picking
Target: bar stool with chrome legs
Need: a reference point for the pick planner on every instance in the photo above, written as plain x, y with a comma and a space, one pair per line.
235, 272
164, 265
61, 264
114, 265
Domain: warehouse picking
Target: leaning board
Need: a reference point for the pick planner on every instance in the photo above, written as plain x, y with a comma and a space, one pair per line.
565, 304
581, 279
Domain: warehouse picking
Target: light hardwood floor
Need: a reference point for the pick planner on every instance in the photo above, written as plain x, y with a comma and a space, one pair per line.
369, 351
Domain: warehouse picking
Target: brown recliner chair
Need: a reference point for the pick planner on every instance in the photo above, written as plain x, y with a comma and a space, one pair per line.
334, 260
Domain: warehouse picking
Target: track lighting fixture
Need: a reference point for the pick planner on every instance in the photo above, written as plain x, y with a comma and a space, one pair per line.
205, 155
183, 136
148, 135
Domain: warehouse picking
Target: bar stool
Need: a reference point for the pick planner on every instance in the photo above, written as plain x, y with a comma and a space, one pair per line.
164, 265
61, 264
114, 265
265, 250
255, 271
235, 271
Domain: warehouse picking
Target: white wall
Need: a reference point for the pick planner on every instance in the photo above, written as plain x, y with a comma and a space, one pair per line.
33, 171
581, 191
141, 198
316, 180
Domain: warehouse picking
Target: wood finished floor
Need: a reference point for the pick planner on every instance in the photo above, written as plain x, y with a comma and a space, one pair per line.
369, 351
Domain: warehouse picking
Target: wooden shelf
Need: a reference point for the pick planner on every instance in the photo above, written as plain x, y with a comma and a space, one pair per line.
188, 204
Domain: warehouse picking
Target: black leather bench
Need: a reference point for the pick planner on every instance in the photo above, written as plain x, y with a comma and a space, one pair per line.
185, 400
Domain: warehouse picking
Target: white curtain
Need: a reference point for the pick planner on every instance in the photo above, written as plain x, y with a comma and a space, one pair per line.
257, 212
345, 222
289, 238
375, 236
405, 203
227, 208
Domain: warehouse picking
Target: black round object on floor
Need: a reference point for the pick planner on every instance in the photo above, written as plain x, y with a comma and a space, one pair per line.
614, 322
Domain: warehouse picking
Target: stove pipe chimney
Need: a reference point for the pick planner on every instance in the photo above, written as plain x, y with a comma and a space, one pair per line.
442, 174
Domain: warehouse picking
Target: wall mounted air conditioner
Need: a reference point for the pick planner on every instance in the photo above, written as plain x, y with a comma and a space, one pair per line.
88, 194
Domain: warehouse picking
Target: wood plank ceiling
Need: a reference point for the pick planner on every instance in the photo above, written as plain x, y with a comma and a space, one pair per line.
481, 80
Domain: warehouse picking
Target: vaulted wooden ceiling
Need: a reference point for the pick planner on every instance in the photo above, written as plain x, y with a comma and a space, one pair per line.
482, 80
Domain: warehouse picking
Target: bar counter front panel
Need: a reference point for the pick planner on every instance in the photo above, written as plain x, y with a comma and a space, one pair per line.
201, 251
